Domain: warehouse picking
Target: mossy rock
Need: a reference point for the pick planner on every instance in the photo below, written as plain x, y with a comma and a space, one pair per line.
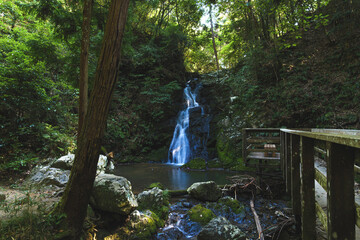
215, 163
140, 226
201, 214
155, 200
233, 204
196, 163
156, 184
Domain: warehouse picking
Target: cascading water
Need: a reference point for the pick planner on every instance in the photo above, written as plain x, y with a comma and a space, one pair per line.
181, 149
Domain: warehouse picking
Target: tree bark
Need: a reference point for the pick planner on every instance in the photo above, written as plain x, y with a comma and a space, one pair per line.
84, 63
77, 192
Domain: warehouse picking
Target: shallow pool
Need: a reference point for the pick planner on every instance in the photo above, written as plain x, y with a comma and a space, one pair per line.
141, 175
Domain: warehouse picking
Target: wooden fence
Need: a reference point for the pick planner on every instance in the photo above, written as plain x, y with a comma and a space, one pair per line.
340, 150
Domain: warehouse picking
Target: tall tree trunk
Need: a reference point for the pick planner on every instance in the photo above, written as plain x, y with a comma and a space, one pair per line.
84, 63
213, 39
77, 192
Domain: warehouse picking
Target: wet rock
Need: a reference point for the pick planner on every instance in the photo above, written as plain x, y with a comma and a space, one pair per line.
221, 229
140, 226
179, 226
201, 214
205, 191
113, 194
50, 176
198, 132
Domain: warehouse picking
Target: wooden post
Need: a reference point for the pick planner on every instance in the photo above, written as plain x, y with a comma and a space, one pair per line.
244, 146
295, 179
308, 213
288, 163
282, 147
340, 192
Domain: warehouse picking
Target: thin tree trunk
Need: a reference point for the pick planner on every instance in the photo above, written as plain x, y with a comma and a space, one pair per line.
77, 192
84, 63
213, 40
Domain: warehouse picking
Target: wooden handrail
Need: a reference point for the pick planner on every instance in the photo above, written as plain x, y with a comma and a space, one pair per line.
298, 149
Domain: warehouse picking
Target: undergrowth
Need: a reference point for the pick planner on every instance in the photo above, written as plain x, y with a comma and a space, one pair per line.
27, 217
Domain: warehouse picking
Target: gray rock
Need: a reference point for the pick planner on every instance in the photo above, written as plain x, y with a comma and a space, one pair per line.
205, 191
66, 162
150, 199
113, 194
50, 176
220, 229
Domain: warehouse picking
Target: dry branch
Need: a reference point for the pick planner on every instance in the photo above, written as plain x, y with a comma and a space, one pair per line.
257, 221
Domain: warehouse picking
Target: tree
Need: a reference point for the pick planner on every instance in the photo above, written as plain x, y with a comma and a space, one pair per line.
77, 192
84, 65
213, 38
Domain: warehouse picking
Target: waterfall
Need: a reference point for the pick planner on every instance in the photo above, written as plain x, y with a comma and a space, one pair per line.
180, 150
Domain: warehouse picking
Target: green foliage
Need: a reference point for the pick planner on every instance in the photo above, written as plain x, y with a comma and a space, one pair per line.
156, 184
31, 91
201, 214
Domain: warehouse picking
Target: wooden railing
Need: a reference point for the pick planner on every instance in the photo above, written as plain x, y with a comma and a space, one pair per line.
340, 150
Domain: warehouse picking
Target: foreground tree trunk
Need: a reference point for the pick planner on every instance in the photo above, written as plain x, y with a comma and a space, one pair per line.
84, 63
77, 192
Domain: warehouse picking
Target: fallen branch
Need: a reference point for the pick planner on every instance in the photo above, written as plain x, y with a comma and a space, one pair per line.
257, 221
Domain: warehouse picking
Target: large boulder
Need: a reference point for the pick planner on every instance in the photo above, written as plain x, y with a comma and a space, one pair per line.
66, 162
113, 194
50, 176
205, 191
220, 229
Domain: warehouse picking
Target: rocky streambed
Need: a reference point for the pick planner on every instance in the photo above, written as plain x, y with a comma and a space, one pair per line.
203, 211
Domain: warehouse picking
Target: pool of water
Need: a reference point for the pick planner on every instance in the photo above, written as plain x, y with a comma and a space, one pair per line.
141, 175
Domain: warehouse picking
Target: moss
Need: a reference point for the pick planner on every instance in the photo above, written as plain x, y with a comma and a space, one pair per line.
201, 214
196, 163
233, 204
226, 152
157, 155
156, 184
